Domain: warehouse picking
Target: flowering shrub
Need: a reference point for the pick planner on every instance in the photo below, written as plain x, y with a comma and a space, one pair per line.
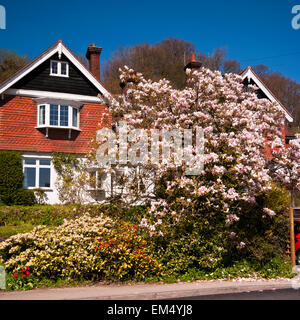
126, 254
86, 248
237, 126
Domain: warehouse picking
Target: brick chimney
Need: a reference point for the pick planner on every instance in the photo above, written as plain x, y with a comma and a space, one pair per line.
93, 55
193, 64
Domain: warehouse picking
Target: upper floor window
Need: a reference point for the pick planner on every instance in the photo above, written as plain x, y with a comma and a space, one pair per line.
60, 116
59, 68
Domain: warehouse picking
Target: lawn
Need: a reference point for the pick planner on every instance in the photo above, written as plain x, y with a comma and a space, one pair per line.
7, 231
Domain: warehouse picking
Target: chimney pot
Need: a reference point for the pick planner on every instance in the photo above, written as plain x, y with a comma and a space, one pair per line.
193, 64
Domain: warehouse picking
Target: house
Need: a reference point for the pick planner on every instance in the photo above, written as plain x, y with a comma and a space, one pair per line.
52, 105
251, 77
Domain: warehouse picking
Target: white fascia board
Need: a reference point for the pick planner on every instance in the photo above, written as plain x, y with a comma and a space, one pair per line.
53, 95
27, 70
250, 75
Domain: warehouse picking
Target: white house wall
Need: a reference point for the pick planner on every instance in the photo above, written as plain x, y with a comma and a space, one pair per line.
52, 194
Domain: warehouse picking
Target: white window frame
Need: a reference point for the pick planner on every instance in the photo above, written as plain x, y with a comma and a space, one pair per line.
37, 167
59, 74
97, 187
47, 116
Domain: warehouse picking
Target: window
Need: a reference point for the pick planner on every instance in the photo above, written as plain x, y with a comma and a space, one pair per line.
53, 115
59, 116
96, 177
75, 118
37, 173
42, 115
59, 68
64, 116
288, 139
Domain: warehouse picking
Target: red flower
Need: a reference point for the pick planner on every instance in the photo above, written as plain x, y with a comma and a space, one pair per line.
27, 272
23, 275
28, 268
15, 275
23, 270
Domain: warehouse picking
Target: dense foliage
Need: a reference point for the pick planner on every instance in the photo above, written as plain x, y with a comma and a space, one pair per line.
10, 62
85, 248
11, 180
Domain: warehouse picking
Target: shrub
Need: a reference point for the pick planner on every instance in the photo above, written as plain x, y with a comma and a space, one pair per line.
85, 248
11, 175
126, 254
208, 243
11, 180
265, 236
24, 197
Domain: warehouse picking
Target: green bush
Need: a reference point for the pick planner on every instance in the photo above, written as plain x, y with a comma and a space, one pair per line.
11, 175
24, 197
11, 180
206, 243
265, 237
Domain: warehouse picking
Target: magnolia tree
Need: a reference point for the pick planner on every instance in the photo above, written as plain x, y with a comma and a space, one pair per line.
236, 125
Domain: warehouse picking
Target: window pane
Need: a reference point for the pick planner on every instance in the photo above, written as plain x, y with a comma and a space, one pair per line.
44, 178
75, 118
30, 161
99, 180
63, 68
93, 179
29, 177
53, 115
42, 114
54, 67
64, 116
45, 162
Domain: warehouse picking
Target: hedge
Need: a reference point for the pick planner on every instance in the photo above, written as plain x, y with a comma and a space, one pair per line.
11, 180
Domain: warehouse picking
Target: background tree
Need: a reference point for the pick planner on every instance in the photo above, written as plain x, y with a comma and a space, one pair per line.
218, 61
165, 59
10, 62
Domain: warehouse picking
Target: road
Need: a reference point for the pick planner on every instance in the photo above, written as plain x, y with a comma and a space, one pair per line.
283, 294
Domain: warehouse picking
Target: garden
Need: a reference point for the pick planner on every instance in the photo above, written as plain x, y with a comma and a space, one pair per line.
229, 221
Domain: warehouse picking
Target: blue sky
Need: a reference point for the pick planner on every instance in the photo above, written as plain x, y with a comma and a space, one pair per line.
254, 32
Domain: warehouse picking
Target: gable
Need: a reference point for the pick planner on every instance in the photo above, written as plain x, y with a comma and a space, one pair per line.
250, 77
34, 74
41, 80
260, 94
